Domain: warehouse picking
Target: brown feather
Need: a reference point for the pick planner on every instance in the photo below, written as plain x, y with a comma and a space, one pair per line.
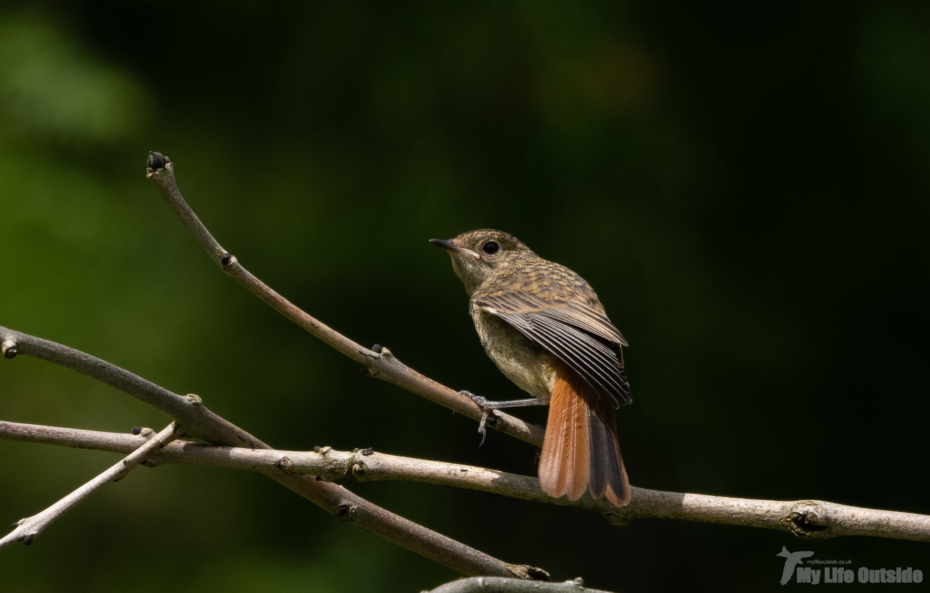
580, 437
537, 285
608, 452
581, 448
556, 309
560, 469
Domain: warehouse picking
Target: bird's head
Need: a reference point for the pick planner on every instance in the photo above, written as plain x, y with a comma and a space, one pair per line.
478, 255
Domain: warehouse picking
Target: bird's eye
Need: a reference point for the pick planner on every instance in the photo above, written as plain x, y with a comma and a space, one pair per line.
491, 247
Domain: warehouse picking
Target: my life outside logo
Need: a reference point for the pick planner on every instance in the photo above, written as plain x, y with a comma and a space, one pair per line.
828, 573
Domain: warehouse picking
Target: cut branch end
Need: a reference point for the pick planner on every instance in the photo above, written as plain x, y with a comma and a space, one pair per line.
9, 348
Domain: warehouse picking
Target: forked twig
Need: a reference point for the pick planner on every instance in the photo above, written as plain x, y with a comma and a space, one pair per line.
27, 529
195, 419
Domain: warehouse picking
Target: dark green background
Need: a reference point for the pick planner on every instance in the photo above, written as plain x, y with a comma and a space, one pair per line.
746, 188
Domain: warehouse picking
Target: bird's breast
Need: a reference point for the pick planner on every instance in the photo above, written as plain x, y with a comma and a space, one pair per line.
523, 362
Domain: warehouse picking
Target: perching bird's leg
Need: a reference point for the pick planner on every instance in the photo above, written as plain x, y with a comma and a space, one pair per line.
488, 407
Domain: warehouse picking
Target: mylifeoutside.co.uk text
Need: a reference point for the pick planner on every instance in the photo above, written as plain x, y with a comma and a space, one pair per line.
829, 561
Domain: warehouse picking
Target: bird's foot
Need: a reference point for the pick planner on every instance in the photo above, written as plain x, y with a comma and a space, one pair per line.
487, 413
479, 400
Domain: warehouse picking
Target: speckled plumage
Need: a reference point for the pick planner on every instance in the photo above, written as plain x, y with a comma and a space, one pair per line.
541, 323
527, 309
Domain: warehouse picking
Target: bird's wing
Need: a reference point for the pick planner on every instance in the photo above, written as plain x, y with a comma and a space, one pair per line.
566, 319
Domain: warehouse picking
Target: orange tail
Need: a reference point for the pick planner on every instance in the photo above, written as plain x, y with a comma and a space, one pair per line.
581, 448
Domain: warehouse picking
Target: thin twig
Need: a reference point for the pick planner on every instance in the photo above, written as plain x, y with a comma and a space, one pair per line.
26, 530
381, 364
499, 585
808, 519
195, 419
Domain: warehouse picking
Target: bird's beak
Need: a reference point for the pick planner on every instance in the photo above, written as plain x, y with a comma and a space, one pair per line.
451, 247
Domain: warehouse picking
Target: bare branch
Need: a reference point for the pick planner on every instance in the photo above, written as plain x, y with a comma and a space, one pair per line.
26, 530
808, 519
381, 364
498, 585
195, 419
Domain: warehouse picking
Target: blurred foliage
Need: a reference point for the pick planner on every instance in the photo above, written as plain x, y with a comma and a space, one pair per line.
746, 187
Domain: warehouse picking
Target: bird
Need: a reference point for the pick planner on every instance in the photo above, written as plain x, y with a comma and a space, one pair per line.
546, 330
792, 559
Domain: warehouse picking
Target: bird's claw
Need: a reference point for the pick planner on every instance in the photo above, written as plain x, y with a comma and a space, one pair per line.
481, 425
480, 401
486, 413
